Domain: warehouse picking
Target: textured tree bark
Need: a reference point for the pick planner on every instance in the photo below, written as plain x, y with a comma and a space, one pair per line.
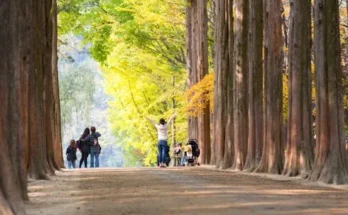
14, 39
202, 70
272, 154
39, 131
241, 83
191, 31
223, 84
330, 164
23, 141
229, 128
299, 156
255, 77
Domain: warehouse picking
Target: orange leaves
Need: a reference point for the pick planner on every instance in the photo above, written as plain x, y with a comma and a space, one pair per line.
200, 95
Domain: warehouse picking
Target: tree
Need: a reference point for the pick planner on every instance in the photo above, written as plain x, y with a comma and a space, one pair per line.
299, 153
255, 78
197, 64
272, 153
223, 84
26, 144
191, 28
330, 164
202, 70
240, 70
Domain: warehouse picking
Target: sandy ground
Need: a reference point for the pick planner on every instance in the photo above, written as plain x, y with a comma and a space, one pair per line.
153, 191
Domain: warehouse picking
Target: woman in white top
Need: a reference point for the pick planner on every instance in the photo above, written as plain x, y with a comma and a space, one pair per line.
162, 130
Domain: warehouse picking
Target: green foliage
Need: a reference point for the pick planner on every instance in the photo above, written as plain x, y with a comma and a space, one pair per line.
140, 46
76, 87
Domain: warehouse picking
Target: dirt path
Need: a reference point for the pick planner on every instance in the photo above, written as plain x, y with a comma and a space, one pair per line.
153, 191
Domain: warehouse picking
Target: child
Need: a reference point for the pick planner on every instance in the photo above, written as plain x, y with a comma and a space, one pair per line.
71, 154
178, 154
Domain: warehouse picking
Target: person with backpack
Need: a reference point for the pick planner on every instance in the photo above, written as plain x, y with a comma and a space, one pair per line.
84, 147
162, 130
95, 148
71, 154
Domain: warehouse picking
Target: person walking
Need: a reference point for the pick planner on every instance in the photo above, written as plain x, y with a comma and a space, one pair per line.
162, 131
95, 148
71, 154
84, 147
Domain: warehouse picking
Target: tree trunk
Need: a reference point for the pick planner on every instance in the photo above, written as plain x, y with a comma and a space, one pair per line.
255, 76
191, 29
330, 165
202, 70
57, 135
272, 154
299, 155
241, 83
22, 76
223, 84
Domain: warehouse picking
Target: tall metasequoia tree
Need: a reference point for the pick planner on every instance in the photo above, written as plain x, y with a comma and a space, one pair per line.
330, 164
26, 47
272, 152
202, 70
191, 51
299, 153
223, 84
197, 54
15, 41
255, 78
240, 69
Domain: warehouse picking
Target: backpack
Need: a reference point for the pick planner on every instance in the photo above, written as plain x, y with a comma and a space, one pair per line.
93, 141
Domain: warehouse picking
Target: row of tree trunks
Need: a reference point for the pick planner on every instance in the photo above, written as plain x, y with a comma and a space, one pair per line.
29, 118
197, 52
223, 84
330, 164
299, 153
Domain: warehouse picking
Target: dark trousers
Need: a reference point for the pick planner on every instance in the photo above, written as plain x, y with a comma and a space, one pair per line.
84, 158
162, 149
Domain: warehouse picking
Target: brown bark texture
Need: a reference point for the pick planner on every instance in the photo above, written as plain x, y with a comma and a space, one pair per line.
202, 70
26, 90
197, 64
330, 163
299, 153
223, 84
191, 33
272, 153
240, 69
255, 78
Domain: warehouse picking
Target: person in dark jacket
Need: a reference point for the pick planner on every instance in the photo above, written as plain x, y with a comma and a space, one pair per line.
84, 147
71, 154
95, 148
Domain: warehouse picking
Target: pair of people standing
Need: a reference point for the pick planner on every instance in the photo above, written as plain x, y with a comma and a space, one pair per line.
88, 144
162, 131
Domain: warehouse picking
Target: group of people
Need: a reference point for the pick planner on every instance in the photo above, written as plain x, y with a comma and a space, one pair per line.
88, 144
